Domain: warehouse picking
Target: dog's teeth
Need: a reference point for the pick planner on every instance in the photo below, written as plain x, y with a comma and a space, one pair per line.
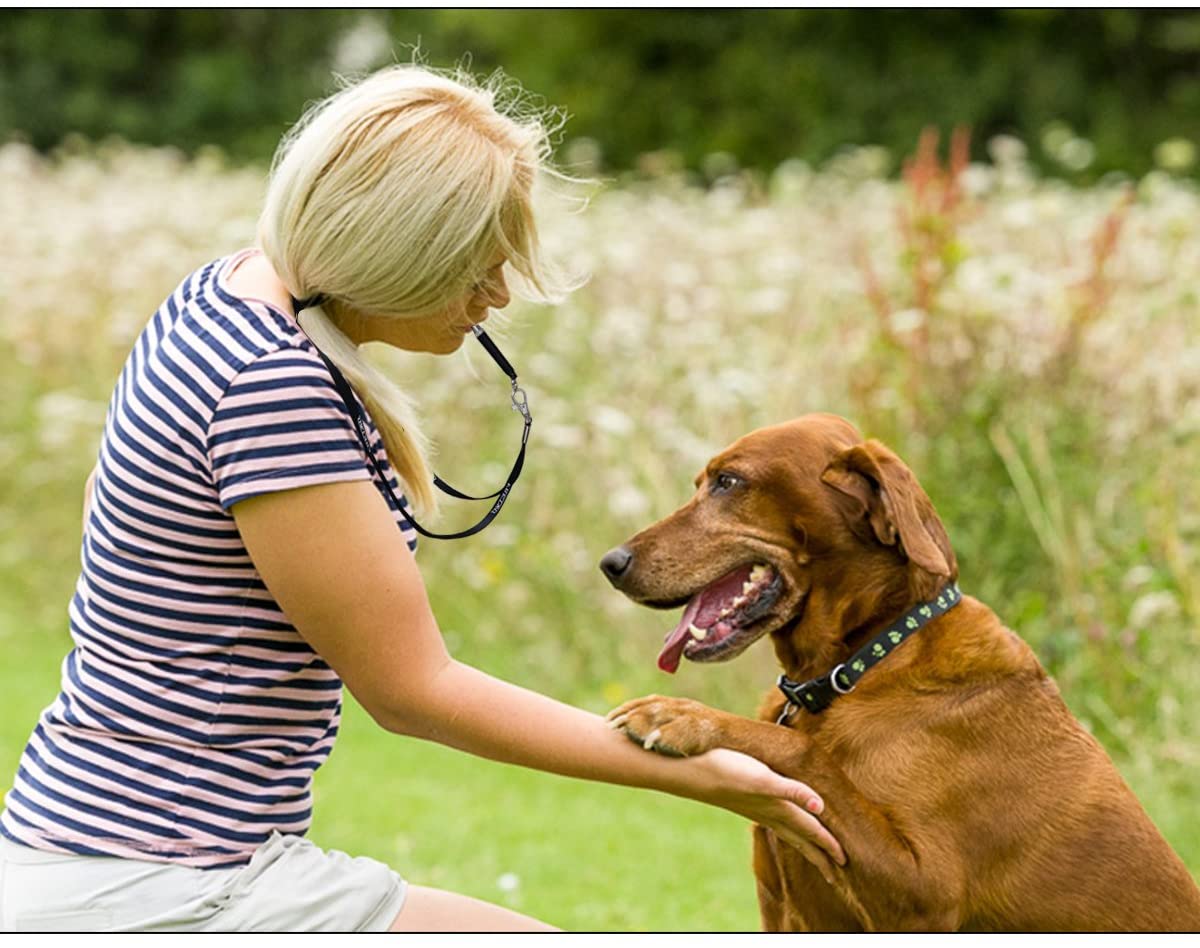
746, 587
759, 573
738, 601
698, 634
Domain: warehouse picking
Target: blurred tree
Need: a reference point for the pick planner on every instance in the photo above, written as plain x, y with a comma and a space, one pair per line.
760, 85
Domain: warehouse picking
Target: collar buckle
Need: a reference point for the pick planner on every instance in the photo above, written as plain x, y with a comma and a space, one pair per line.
813, 696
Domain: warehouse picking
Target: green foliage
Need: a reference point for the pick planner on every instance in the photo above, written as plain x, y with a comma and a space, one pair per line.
759, 86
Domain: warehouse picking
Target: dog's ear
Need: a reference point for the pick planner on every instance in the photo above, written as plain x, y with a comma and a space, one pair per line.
890, 506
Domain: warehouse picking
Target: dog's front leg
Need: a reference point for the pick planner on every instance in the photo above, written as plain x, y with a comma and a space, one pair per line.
896, 877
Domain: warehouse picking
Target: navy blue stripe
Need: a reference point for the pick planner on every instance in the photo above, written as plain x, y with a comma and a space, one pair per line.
195, 598
214, 719
172, 797
135, 443
291, 357
230, 558
163, 387
284, 450
205, 556
225, 413
133, 515
173, 774
204, 334
261, 482
195, 638
87, 700
79, 805
191, 758
223, 695
196, 509
246, 385
219, 375
186, 380
286, 427
250, 583
117, 455
231, 329
77, 848
114, 636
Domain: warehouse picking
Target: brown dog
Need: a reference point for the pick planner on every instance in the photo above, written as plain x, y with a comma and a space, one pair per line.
962, 790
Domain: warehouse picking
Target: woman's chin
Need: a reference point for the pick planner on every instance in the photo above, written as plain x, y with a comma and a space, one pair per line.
447, 347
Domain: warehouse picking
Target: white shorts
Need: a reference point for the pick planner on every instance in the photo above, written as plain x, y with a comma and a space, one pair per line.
289, 885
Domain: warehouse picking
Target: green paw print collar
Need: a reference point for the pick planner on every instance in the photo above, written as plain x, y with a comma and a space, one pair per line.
816, 695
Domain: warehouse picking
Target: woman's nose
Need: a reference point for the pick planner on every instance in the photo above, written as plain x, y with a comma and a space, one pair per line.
495, 292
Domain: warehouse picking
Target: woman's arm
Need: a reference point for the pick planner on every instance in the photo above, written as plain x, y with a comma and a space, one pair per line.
343, 574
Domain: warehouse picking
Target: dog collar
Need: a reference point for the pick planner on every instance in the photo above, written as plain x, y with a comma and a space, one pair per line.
817, 694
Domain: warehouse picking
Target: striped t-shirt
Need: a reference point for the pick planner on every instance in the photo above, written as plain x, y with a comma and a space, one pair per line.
192, 714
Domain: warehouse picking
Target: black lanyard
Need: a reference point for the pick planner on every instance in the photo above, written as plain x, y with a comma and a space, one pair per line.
519, 403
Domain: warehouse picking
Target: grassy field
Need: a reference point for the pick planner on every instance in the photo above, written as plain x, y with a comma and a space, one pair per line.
1033, 351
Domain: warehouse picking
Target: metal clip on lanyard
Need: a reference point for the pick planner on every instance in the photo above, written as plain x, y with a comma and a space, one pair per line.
520, 403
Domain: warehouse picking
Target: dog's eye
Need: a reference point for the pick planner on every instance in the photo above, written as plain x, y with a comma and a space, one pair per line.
725, 482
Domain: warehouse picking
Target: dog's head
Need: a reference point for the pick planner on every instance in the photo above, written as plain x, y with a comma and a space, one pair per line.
800, 529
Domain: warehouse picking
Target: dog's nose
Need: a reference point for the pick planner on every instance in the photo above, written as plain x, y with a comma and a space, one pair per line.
615, 563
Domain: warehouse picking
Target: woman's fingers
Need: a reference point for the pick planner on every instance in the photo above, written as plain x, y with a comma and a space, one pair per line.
807, 805
815, 856
810, 829
801, 794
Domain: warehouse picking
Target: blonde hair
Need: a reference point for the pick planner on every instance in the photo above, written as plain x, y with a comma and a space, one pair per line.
391, 198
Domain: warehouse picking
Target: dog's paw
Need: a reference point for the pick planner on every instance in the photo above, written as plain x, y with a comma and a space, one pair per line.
677, 727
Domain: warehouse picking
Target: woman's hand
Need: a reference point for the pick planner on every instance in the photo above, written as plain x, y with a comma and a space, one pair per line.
748, 787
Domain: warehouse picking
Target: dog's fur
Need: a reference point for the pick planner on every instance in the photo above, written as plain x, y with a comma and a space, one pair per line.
964, 793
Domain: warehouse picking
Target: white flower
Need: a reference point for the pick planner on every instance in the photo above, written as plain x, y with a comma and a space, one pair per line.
1175, 154
907, 320
363, 46
628, 501
1152, 606
611, 420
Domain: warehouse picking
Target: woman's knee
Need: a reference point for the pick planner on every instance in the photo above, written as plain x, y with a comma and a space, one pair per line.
434, 910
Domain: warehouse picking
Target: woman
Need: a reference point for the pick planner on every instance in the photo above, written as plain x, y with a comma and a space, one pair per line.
241, 560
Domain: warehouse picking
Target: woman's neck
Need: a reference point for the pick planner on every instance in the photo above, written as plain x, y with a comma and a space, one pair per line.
254, 277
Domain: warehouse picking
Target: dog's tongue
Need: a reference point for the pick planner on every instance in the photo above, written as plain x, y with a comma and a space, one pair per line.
701, 612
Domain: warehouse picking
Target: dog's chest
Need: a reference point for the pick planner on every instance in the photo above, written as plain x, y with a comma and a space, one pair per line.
882, 756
